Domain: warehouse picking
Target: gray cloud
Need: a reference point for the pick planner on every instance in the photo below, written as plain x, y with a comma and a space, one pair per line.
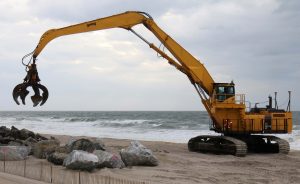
85, 10
255, 43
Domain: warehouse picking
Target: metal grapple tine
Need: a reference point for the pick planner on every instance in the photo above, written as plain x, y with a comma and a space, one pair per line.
20, 91
45, 94
37, 98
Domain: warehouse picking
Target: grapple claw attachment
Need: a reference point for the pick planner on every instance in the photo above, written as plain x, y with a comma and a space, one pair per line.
31, 80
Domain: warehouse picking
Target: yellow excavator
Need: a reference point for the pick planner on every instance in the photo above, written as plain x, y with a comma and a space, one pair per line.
242, 130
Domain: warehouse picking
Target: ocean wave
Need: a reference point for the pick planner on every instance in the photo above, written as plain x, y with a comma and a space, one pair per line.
157, 126
55, 117
85, 119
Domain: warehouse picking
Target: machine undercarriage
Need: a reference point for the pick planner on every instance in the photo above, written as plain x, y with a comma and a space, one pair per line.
238, 145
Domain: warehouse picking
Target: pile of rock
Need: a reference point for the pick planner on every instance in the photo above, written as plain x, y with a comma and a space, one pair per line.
84, 154
15, 137
60, 153
17, 144
81, 154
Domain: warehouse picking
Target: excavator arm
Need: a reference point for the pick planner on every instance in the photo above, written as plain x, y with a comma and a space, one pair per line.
186, 63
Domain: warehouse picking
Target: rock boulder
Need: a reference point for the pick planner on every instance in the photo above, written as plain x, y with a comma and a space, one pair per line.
85, 145
57, 158
108, 160
4, 132
99, 145
13, 153
30, 142
45, 147
137, 154
38, 137
25, 134
16, 142
81, 160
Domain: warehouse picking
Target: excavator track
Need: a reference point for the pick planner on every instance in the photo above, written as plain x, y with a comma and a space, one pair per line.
238, 146
284, 146
267, 144
241, 146
218, 145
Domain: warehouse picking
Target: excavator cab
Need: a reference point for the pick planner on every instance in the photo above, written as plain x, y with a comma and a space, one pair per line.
223, 91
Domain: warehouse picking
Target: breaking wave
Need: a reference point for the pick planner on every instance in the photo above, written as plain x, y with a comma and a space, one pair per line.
156, 126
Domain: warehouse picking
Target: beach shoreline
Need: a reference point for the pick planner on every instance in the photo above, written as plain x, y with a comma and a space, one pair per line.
178, 165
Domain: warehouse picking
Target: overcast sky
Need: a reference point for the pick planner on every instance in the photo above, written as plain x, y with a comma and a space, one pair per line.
254, 43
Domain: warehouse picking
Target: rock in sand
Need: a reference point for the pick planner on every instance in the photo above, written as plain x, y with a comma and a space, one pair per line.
108, 160
81, 160
57, 158
13, 153
137, 154
85, 145
43, 148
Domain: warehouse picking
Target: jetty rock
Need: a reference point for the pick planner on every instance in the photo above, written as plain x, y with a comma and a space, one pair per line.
22, 134
16, 136
30, 142
99, 144
59, 155
138, 154
16, 142
81, 160
45, 147
57, 158
108, 160
13, 153
85, 145
4, 132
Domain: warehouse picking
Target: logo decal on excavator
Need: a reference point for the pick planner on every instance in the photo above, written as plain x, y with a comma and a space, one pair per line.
91, 24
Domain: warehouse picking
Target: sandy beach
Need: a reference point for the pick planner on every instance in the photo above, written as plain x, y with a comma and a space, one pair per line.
178, 165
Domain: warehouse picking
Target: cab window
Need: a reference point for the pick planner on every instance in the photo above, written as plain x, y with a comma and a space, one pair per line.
229, 90
224, 92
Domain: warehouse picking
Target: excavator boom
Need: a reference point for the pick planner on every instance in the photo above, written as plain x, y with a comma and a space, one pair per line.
190, 65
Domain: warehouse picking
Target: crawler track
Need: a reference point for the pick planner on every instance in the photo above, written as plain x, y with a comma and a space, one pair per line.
238, 146
284, 146
267, 144
218, 145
